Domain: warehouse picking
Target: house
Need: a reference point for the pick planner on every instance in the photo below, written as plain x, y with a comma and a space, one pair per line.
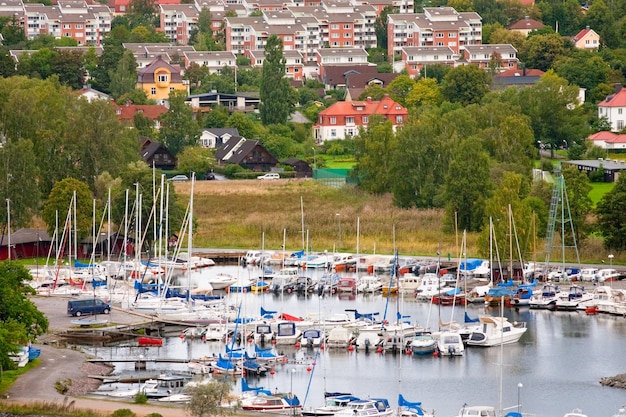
608, 140
301, 168
216, 137
526, 25
25, 243
587, 39
126, 113
347, 57
249, 154
499, 57
357, 83
239, 101
613, 108
612, 169
146, 53
159, 78
344, 118
154, 154
414, 58
515, 77
90, 94
336, 76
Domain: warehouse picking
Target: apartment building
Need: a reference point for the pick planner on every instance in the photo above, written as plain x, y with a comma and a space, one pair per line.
437, 26
497, 57
416, 58
294, 62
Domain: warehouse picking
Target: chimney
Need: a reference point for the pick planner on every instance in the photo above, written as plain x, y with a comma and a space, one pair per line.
524, 71
527, 17
618, 88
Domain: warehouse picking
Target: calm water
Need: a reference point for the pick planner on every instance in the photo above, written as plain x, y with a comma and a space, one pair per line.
559, 360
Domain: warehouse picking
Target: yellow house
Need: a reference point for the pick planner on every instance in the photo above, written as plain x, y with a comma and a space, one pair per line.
587, 39
159, 78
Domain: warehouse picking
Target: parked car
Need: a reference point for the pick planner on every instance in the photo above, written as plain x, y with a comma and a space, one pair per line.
269, 176
87, 306
178, 178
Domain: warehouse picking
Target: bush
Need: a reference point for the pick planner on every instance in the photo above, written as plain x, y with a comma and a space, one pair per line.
154, 415
123, 412
62, 387
141, 398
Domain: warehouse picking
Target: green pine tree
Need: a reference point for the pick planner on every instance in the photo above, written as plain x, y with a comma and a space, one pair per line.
275, 91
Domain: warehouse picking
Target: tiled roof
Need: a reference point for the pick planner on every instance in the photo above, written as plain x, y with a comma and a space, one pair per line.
147, 73
526, 24
386, 106
151, 111
614, 100
581, 34
608, 137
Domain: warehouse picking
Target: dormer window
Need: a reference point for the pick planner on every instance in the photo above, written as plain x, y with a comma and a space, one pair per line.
162, 78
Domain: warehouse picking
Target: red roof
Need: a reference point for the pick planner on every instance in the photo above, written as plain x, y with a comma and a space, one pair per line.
614, 100
518, 72
526, 24
126, 112
581, 34
386, 106
608, 137
116, 4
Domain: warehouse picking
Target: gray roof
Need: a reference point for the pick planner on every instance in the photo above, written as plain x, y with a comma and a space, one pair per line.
607, 164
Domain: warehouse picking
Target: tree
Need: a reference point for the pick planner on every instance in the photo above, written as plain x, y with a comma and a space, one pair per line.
275, 90
466, 84
124, 77
373, 91
612, 216
400, 88
436, 71
19, 168
540, 51
68, 66
196, 159
58, 206
380, 25
374, 151
20, 321
206, 398
580, 205
142, 13
467, 185
178, 126
426, 92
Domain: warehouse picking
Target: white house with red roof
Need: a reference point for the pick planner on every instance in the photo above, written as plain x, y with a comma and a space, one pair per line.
613, 109
587, 39
344, 118
608, 140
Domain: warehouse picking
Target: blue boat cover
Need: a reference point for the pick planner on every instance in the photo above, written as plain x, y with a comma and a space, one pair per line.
470, 264
259, 390
415, 406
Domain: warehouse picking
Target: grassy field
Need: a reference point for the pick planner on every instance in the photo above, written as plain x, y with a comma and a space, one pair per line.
598, 190
240, 214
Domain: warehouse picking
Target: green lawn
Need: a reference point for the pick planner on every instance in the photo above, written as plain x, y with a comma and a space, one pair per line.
598, 190
339, 162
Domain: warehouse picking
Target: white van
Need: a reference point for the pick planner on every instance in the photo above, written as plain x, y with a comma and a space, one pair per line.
269, 176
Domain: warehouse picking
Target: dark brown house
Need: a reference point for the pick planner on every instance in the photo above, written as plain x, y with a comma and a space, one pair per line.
155, 153
249, 154
302, 168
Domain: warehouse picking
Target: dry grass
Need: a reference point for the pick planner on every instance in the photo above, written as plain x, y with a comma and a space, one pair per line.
236, 214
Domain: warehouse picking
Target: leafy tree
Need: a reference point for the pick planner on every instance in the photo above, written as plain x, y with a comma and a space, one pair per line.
19, 168
68, 65
20, 321
217, 117
38, 65
178, 126
107, 64
373, 91
425, 92
540, 51
59, 204
380, 25
245, 125
436, 71
142, 13
584, 69
196, 159
7, 64
275, 89
503, 36
13, 34
400, 88
374, 149
580, 205
206, 398
467, 185
124, 78
612, 216
466, 84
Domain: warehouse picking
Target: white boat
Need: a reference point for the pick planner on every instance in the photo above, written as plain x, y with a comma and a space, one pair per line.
333, 404
221, 281
575, 295
423, 344
287, 333
312, 338
369, 337
608, 275
430, 286
450, 344
496, 331
339, 338
576, 412
369, 284
285, 279
409, 283
477, 411
164, 386
197, 261
546, 298
373, 407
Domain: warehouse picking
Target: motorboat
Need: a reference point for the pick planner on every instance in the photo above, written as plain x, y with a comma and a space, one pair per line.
343, 262
498, 295
346, 285
287, 333
263, 333
575, 295
369, 284
608, 275
312, 338
495, 331
546, 298
478, 411
339, 338
334, 403
409, 283
522, 296
221, 281
285, 280
450, 344
264, 402
164, 385
576, 412
327, 284
369, 337
423, 344
373, 407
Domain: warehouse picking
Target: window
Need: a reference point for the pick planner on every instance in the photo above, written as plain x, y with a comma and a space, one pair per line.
153, 91
619, 111
79, 26
334, 35
436, 58
171, 88
287, 38
439, 35
620, 125
333, 133
347, 35
333, 120
162, 78
349, 120
452, 35
365, 120
346, 26
66, 26
347, 43
334, 26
